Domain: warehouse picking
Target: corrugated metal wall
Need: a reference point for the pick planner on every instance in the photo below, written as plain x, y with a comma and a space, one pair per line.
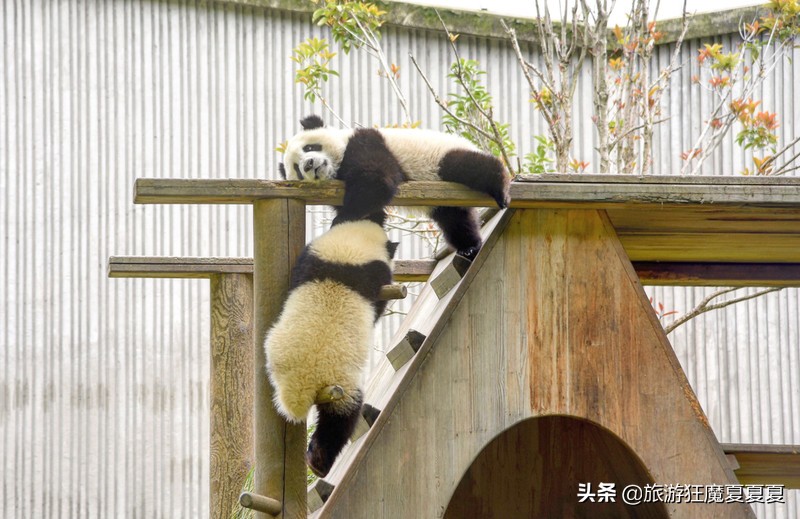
103, 383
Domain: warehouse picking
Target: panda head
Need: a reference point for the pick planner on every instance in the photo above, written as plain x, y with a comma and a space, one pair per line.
315, 153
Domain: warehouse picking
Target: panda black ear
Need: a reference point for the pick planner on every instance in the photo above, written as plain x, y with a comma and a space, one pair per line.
391, 248
311, 122
282, 170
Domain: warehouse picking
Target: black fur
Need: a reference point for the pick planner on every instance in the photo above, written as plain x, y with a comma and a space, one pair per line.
479, 171
370, 173
311, 122
366, 280
282, 170
460, 228
334, 428
379, 218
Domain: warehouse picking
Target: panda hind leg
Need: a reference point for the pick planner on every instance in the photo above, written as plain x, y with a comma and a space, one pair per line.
460, 228
480, 171
335, 425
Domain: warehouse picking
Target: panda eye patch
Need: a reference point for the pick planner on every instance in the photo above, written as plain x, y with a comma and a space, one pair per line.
312, 147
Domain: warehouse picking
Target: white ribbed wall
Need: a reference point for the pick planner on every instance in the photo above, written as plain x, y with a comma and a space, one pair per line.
103, 383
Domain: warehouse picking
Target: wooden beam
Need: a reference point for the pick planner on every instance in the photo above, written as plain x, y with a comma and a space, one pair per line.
176, 267
279, 237
665, 273
196, 267
584, 191
766, 464
670, 273
231, 389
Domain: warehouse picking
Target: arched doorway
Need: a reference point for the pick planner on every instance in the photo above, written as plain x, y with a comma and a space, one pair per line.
534, 469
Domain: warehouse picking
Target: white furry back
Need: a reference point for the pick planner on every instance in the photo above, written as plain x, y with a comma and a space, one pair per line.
322, 338
352, 243
420, 151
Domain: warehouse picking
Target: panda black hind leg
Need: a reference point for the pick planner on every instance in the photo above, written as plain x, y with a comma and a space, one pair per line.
460, 228
480, 171
335, 424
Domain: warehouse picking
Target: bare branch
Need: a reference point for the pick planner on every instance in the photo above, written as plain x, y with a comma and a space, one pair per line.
706, 306
488, 115
444, 106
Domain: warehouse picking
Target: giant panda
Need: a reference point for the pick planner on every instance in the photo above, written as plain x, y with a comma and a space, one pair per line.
373, 162
324, 332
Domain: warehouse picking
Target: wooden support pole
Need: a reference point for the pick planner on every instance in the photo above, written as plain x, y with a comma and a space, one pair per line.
260, 503
279, 237
231, 389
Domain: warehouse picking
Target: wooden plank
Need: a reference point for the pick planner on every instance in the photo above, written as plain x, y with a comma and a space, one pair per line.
231, 389
448, 277
203, 267
766, 464
279, 237
413, 270
324, 192
405, 349
712, 247
590, 192
731, 180
668, 273
318, 493
368, 416
705, 219
650, 273
176, 267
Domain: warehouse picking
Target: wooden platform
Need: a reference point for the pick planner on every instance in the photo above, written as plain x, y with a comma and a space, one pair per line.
569, 334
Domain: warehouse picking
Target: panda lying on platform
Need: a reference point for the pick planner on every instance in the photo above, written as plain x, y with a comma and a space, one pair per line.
324, 333
372, 163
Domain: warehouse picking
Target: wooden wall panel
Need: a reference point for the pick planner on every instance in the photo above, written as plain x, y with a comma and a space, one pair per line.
580, 339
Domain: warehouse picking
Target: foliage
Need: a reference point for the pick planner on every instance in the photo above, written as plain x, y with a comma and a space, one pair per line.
313, 57
357, 25
469, 105
734, 76
540, 161
352, 23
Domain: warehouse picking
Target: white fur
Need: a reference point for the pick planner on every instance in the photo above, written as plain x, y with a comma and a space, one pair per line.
420, 151
333, 144
352, 243
324, 332
322, 338
417, 151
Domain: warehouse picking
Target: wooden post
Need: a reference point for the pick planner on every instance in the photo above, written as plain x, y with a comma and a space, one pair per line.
279, 237
231, 388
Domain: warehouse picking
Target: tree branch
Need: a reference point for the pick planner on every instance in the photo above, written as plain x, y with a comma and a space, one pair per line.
706, 306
